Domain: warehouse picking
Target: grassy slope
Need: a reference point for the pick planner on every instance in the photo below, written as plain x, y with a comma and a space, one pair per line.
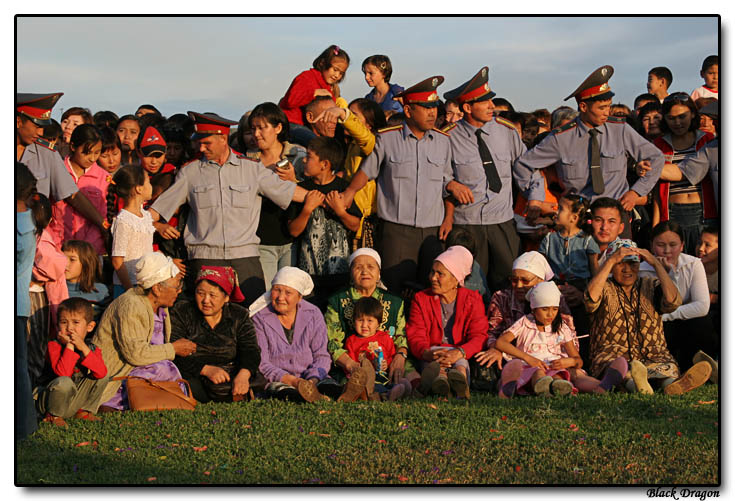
613, 439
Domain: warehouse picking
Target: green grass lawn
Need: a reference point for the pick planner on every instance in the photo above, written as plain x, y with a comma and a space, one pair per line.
610, 439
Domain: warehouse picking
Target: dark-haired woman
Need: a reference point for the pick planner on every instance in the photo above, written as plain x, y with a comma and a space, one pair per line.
378, 70
227, 354
92, 180
270, 129
70, 120
681, 201
132, 229
128, 130
688, 328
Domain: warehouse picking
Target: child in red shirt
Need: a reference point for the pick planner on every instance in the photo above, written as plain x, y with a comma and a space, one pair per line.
81, 371
321, 80
377, 346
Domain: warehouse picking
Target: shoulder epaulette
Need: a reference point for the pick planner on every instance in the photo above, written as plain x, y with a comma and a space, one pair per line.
505, 122
388, 129
440, 131
616, 120
448, 127
46, 144
569, 126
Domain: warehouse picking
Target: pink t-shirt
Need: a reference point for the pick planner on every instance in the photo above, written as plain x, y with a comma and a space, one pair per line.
543, 345
67, 223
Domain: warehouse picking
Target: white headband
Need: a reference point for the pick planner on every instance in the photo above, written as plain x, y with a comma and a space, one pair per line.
534, 262
544, 294
365, 251
154, 268
289, 276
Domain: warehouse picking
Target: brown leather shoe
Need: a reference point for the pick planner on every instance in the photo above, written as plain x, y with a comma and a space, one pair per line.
308, 391
458, 383
356, 387
370, 371
86, 415
696, 376
55, 420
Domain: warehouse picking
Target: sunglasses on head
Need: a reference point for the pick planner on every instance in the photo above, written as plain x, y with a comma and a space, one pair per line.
677, 96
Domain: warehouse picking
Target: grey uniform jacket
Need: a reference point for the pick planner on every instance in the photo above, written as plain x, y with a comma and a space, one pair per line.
225, 205
567, 147
412, 175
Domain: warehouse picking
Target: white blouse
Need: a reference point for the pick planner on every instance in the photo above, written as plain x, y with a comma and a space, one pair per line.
691, 280
132, 237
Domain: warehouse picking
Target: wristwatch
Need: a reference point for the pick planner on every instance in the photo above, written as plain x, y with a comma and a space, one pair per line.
402, 354
464, 355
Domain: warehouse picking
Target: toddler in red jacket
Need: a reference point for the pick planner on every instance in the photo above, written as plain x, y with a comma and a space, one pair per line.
377, 346
81, 371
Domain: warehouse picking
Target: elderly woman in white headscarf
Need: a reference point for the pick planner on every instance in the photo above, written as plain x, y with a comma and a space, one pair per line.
365, 282
292, 337
508, 305
134, 331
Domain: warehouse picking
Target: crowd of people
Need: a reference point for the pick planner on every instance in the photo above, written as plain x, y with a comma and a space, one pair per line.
394, 246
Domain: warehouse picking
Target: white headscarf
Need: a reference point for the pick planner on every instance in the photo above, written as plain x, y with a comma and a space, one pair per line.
535, 263
289, 276
154, 268
544, 294
365, 251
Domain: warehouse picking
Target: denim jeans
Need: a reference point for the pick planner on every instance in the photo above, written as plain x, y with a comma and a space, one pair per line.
689, 217
25, 411
275, 257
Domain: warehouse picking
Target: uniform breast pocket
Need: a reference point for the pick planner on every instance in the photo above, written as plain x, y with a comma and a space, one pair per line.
436, 167
205, 196
612, 160
240, 195
399, 168
502, 164
573, 169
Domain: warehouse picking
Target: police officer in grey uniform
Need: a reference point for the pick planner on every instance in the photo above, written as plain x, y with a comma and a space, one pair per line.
412, 165
590, 152
225, 192
484, 149
32, 112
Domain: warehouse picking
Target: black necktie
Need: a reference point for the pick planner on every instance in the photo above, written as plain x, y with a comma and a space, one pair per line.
491, 173
598, 185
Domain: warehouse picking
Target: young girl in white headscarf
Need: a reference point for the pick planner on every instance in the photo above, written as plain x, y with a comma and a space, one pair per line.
545, 358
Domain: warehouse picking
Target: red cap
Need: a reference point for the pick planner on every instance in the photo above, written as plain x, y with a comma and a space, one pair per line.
152, 141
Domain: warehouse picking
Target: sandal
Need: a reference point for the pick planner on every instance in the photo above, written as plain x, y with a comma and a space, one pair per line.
86, 415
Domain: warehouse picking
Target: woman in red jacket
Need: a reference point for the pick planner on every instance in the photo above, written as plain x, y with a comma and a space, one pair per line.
447, 325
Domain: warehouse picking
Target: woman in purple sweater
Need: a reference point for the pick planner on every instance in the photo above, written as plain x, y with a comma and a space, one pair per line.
292, 336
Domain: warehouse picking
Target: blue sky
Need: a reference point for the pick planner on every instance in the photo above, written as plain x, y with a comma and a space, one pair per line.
228, 65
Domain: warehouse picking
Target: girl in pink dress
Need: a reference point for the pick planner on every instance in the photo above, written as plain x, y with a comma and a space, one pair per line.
545, 357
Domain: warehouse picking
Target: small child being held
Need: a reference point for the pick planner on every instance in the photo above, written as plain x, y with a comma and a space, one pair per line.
377, 346
571, 251
325, 226
80, 368
546, 359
